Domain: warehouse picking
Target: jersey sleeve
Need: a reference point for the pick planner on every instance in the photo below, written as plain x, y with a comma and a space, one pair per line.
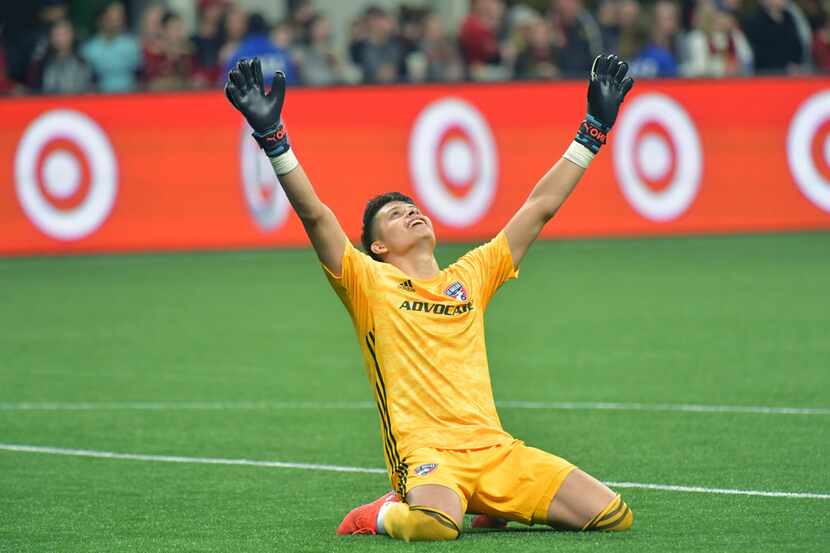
357, 273
489, 266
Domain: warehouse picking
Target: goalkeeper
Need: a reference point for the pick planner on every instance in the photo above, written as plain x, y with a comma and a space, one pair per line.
421, 333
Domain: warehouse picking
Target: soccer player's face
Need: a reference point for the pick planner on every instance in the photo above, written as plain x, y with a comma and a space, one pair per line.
401, 225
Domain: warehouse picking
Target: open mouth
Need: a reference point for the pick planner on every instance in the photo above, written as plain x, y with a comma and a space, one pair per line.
417, 222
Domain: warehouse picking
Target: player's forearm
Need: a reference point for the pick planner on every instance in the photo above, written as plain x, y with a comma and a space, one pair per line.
320, 223
544, 201
301, 194
553, 189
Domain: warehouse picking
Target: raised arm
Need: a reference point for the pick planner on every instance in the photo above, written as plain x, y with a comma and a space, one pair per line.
246, 92
606, 90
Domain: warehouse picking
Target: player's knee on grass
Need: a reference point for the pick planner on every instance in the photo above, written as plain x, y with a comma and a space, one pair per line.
616, 517
415, 523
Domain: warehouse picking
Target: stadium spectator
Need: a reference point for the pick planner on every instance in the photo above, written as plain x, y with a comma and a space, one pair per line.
318, 62
633, 33
302, 16
479, 40
151, 32
774, 38
821, 43
113, 54
283, 34
805, 33
411, 31
207, 41
171, 66
578, 35
49, 13
608, 20
497, 39
234, 27
436, 59
518, 27
6, 84
813, 11
716, 47
379, 54
261, 42
657, 57
358, 34
538, 58
62, 70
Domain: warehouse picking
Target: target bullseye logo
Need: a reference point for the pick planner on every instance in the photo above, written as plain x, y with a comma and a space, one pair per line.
66, 174
265, 197
808, 149
453, 162
657, 157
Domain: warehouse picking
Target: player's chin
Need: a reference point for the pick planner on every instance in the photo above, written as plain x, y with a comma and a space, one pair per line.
422, 229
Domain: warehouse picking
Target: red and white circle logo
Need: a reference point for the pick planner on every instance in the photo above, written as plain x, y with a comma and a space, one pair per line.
657, 157
66, 174
808, 149
453, 161
265, 197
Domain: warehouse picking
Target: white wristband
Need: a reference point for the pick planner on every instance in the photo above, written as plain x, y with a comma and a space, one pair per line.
284, 163
578, 154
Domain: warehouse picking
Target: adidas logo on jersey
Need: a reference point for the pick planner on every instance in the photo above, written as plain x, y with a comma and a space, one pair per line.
407, 286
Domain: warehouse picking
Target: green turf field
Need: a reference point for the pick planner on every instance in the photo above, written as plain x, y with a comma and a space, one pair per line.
104, 354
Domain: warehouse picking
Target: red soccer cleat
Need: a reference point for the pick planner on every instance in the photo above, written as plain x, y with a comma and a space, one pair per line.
363, 519
485, 521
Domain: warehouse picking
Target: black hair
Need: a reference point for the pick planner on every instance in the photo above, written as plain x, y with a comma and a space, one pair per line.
374, 11
104, 8
169, 16
257, 24
372, 207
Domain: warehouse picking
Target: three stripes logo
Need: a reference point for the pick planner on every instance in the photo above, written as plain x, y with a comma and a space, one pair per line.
406, 286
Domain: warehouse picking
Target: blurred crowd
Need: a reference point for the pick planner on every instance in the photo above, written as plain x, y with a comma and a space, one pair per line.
496, 40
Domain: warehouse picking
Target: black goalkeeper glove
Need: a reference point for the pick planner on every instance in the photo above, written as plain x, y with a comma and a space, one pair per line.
606, 91
246, 92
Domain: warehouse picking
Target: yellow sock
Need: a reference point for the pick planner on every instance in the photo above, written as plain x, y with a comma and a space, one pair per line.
615, 517
414, 523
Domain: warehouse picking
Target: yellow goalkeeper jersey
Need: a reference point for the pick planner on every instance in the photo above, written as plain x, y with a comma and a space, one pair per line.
424, 351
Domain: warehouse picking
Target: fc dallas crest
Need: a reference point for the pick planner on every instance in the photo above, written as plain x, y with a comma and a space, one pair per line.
456, 290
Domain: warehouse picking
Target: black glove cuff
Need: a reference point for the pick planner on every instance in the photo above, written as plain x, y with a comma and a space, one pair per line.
592, 133
273, 141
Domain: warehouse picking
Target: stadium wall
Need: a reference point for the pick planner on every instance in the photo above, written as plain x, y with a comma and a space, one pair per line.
180, 172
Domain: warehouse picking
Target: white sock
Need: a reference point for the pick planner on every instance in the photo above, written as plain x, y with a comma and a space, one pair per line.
381, 512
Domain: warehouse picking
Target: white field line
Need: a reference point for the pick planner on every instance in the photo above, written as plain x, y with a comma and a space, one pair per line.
677, 407
339, 468
179, 459
181, 405
721, 491
530, 405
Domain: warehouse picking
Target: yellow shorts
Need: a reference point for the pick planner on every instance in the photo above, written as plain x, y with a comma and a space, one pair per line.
510, 481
